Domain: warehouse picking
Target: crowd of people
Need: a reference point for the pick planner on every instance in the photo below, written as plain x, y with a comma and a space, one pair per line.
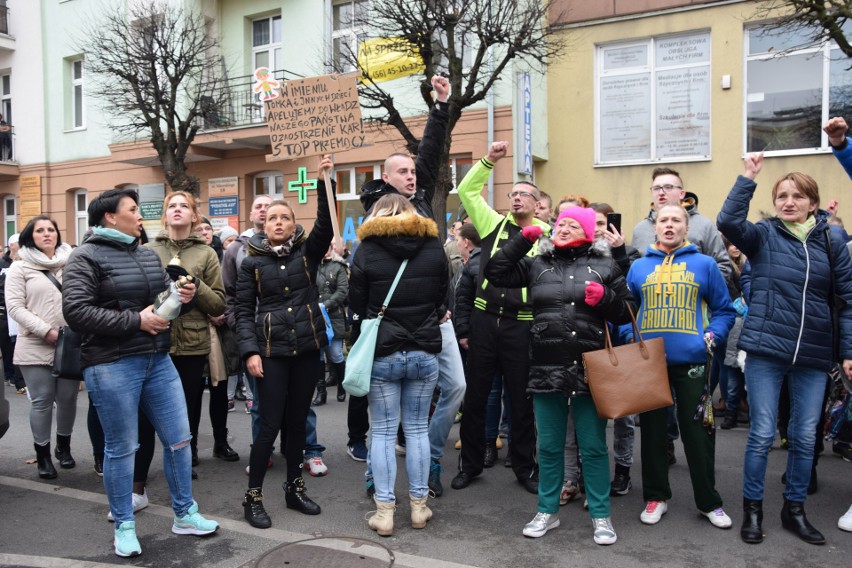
489, 327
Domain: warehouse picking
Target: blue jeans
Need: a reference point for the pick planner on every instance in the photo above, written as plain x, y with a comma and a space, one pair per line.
623, 439
313, 449
452, 384
764, 376
403, 380
118, 391
334, 351
734, 381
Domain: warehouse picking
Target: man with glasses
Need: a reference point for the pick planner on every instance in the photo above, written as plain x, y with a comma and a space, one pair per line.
502, 319
667, 189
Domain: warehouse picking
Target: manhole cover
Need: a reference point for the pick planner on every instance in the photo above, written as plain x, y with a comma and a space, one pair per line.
327, 552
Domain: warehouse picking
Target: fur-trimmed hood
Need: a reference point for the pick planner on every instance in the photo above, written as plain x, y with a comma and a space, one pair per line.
598, 247
403, 235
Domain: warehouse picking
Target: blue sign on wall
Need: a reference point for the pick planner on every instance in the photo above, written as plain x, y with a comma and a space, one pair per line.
224, 206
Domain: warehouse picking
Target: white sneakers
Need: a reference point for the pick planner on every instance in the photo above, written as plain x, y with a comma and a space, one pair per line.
541, 523
719, 518
654, 511
315, 466
604, 532
845, 522
139, 503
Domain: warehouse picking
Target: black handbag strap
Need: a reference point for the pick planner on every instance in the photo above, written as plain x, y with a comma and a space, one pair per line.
53, 279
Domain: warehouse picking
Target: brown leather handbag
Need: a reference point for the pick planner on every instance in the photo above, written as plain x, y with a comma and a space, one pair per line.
628, 379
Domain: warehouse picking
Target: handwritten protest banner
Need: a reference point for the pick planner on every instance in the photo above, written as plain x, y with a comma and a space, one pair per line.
314, 116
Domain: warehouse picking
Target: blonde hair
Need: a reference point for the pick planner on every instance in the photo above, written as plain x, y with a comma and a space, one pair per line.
390, 205
282, 203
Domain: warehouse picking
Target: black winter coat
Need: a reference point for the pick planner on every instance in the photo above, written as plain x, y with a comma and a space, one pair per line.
411, 319
468, 279
333, 283
105, 284
277, 300
564, 326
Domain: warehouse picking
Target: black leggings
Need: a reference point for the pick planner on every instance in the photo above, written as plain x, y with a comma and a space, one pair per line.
190, 368
285, 393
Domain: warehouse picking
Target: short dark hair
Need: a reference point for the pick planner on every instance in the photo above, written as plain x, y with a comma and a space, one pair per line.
469, 232
107, 202
26, 238
665, 172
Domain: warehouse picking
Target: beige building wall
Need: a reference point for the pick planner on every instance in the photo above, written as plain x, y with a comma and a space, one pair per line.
571, 165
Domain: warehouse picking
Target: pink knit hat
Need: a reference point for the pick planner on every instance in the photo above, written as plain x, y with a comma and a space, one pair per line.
583, 215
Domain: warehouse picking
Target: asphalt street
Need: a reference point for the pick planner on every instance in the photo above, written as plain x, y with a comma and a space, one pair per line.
62, 522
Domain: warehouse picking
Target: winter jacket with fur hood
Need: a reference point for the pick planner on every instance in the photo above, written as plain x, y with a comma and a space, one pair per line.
411, 319
277, 300
564, 326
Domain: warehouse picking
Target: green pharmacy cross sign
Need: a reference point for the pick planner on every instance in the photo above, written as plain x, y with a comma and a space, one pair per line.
302, 185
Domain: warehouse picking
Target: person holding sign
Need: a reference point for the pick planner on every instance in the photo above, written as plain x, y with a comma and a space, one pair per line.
416, 181
280, 330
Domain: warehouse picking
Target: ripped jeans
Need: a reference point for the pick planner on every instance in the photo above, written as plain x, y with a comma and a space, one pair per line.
119, 390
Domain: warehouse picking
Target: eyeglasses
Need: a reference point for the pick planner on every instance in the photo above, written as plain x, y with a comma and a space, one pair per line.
665, 188
514, 194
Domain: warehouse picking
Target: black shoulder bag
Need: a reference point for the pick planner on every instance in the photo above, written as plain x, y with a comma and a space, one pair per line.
66, 358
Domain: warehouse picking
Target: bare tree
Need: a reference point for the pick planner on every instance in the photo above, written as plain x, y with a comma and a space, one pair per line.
453, 37
817, 21
154, 68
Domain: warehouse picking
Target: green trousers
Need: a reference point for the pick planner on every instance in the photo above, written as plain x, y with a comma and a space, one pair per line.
551, 416
698, 445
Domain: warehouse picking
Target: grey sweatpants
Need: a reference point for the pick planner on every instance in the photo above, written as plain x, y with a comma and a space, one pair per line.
45, 389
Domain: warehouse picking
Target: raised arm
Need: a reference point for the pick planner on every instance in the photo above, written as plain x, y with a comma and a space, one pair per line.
434, 136
733, 218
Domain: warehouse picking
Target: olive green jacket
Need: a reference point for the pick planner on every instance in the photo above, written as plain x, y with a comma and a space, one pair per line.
190, 334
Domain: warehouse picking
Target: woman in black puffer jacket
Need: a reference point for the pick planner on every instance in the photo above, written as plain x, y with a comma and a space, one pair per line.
405, 368
280, 331
575, 289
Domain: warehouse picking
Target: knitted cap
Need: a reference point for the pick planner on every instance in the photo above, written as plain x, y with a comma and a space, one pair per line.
583, 215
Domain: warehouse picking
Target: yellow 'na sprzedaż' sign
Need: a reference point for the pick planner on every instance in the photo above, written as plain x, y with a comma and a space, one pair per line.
388, 58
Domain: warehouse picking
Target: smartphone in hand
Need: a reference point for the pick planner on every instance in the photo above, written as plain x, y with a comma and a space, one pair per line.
613, 219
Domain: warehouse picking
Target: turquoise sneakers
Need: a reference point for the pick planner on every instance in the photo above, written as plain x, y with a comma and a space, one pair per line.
194, 523
126, 543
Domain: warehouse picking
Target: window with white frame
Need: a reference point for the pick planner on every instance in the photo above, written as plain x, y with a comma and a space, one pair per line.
10, 216
653, 100
347, 31
266, 43
81, 215
6, 98
78, 113
793, 87
269, 183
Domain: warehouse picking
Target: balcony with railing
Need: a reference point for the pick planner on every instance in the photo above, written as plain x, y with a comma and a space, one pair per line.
7, 42
231, 118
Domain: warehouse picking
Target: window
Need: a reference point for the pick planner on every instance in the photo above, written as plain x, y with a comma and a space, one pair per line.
10, 217
653, 100
266, 43
78, 119
81, 216
347, 31
269, 183
6, 98
784, 114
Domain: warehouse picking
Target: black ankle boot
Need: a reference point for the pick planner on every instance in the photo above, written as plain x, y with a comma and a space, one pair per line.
223, 450
45, 464
340, 371
296, 498
794, 520
322, 394
490, 453
253, 508
330, 375
752, 530
63, 452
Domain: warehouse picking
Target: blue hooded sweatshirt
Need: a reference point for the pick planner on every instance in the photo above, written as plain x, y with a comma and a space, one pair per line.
672, 291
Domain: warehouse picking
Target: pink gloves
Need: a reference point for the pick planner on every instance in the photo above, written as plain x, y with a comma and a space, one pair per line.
594, 293
531, 233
